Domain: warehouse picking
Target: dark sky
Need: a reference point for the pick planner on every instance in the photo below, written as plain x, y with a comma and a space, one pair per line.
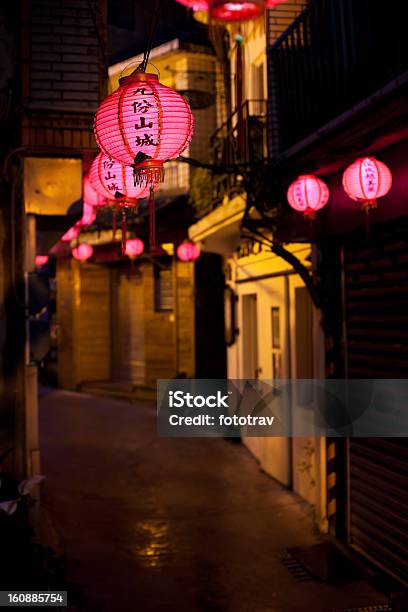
129, 22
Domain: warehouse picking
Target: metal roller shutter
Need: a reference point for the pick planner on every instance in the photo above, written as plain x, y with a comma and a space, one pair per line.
376, 313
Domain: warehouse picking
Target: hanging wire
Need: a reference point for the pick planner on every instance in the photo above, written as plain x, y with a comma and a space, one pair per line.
152, 33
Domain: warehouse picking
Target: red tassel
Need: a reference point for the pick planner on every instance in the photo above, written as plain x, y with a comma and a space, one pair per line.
114, 213
123, 232
152, 217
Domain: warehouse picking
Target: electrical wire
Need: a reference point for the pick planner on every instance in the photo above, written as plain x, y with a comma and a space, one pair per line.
152, 32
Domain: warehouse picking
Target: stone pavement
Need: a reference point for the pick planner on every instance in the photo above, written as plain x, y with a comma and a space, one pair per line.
151, 524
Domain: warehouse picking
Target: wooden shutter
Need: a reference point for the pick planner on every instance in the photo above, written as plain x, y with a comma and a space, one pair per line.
376, 313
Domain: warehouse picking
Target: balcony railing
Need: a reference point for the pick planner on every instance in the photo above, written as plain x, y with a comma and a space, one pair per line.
242, 139
336, 54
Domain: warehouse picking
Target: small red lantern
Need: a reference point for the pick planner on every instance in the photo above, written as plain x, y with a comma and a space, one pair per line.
143, 124
82, 252
308, 194
134, 247
115, 182
41, 260
71, 234
366, 180
233, 10
196, 5
188, 251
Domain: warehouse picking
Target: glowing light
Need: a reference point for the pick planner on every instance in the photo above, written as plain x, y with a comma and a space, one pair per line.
366, 180
71, 234
143, 119
308, 194
134, 247
82, 252
188, 251
238, 10
41, 260
115, 182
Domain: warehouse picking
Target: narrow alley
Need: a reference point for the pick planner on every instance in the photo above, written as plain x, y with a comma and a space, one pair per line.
148, 523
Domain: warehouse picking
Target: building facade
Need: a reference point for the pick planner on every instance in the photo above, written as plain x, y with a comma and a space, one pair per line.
335, 93
144, 318
338, 109
48, 101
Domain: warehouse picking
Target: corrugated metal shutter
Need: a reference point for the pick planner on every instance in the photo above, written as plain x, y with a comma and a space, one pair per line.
376, 301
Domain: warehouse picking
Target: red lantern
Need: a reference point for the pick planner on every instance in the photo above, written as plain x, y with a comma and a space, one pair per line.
41, 260
90, 196
188, 251
143, 124
231, 11
115, 182
82, 252
134, 247
196, 5
71, 234
366, 180
308, 194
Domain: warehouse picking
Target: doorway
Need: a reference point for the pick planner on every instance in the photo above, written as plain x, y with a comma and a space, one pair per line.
128, 334
250, 336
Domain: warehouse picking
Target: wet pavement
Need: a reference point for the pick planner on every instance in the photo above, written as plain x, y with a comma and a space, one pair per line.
151, 524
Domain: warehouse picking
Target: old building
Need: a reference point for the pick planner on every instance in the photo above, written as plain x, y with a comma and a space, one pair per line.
48, 101
146, 319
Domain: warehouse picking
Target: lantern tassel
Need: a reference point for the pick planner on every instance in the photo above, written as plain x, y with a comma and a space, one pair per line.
123, 232
152, 219
114, 226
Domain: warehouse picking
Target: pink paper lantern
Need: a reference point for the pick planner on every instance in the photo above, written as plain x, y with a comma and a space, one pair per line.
196, 5
90, 196
115, 182
366, 180
233, 10
71, 234
41, 260
143, 120
308, 194
236, 11
88, 216
188, 251
82, 252
134, 247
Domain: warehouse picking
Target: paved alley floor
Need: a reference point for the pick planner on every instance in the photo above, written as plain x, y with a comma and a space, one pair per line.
152, 524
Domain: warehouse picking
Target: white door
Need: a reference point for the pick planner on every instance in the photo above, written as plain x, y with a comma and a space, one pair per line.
250, 336
304, 449
267, 359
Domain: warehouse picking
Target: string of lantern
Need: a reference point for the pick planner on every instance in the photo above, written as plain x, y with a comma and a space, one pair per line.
138, 128
364, 181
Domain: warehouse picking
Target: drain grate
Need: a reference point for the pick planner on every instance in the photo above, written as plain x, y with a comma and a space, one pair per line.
373, 608
298, 571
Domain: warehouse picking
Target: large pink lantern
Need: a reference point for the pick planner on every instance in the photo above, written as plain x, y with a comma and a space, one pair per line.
115, 182
188, 251
143, 124
308, 194
366, 180
134, 247
233, 10
83, 251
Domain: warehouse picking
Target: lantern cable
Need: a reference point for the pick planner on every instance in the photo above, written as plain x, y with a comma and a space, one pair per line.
152, 32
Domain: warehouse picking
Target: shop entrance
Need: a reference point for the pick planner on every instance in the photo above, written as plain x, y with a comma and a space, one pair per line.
128, 333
